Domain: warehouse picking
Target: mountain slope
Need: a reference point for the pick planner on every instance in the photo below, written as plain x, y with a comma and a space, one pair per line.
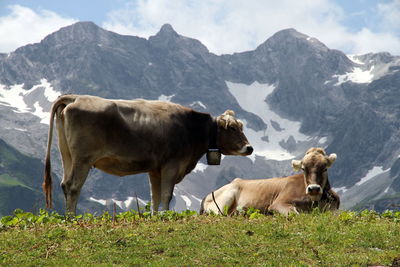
20, 182
292, 92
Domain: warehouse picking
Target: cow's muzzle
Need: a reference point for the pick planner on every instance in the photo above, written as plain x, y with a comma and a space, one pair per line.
314, 190
246, 150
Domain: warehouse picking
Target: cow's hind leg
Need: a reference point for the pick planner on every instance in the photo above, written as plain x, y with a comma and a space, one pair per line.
72, 184
225, 198
155, 181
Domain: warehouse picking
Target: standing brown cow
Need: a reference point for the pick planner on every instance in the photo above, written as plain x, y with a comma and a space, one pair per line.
124, 137
289, 194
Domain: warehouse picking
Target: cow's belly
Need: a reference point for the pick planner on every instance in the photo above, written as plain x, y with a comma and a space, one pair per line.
122, 168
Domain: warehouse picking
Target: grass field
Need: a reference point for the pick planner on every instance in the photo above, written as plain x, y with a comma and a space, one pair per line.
188, 239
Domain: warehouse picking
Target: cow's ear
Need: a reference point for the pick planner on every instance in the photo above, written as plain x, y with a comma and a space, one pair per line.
296, 164
331, 159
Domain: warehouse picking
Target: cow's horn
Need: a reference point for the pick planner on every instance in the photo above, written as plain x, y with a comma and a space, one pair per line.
229, 112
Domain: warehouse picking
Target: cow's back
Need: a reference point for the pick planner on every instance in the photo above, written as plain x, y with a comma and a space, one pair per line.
138, 132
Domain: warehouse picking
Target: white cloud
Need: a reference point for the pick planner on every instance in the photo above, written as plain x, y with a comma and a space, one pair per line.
23, 26
224, 26
227, 26
390, 16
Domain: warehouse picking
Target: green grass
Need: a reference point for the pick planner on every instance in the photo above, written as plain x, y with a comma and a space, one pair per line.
188, 239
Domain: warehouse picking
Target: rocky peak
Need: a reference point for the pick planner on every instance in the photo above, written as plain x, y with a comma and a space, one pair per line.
289, 33
292, 40
167, 31
168, 38
166, 35
78, 32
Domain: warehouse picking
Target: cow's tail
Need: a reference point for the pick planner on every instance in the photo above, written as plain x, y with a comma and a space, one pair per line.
62, 102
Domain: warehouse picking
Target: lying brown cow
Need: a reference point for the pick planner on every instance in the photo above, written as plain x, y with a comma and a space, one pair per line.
123, 137
300, 192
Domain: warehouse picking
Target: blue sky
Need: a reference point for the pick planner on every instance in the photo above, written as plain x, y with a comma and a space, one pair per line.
224, 26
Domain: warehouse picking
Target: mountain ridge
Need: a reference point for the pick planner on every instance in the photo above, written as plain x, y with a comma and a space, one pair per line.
343, 104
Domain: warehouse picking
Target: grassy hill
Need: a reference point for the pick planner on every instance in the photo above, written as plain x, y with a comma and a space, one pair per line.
188, 239
20, 181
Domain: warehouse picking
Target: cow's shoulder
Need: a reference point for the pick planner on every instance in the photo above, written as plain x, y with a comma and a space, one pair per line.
194, 119
197, 124
200, 116
237, 181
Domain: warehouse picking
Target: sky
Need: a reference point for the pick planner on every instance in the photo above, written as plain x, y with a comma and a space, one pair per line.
224, 26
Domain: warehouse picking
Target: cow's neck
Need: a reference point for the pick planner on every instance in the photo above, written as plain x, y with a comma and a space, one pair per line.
213, 136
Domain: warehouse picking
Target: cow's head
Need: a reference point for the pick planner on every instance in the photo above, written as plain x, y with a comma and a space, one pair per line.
231, 139
315, 166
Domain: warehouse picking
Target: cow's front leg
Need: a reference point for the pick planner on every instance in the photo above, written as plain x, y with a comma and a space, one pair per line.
155, 181
283, 208
169, 177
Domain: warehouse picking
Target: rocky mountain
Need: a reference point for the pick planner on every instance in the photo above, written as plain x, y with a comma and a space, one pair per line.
292, 92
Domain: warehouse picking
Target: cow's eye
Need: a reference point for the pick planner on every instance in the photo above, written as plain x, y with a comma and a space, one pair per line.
232, 128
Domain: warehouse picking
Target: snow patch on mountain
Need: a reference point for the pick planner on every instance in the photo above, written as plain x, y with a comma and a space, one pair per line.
39, 112
323, 140
266, 143
372, 173
372, 186
17, 129
187, 200
340, 190
166, 98
386, 190
200, 167
183, 200
15, 97
122, 204
355, 59
356, 76
370, 67
198, 103
49, 91
100, 201
180, 201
